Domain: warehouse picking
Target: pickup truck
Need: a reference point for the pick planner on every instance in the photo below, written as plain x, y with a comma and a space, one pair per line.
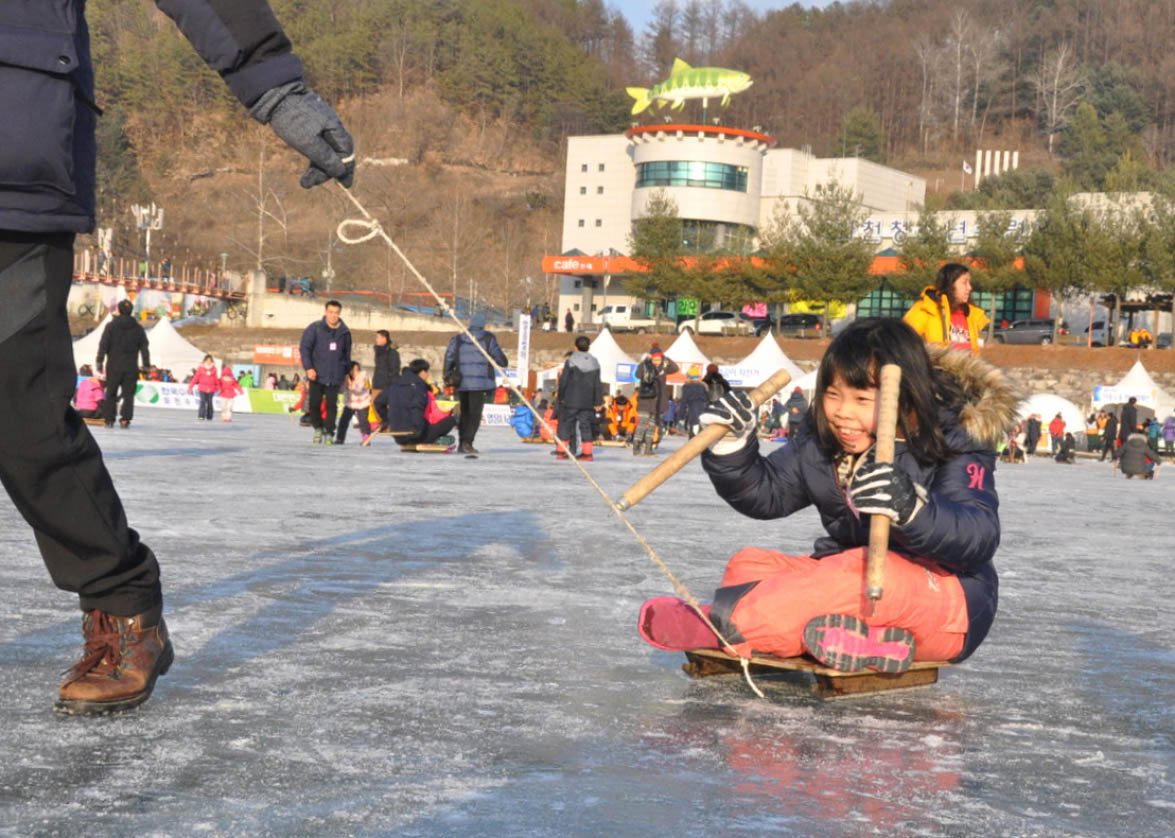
621, 318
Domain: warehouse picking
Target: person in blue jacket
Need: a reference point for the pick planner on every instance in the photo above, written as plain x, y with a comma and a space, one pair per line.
940, 588
477, 376
51, 466
326, 357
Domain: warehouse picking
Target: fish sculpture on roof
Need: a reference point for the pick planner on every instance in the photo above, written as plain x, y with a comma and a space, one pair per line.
686, 82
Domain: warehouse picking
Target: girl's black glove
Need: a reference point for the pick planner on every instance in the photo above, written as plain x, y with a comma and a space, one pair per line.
880, 489
736, 411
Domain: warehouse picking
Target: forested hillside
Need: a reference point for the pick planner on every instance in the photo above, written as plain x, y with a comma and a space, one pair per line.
460, 108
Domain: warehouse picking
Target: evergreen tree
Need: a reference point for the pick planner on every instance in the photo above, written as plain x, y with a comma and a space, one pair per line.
655, 245
861, 135
994, 269
921, 255
816, 248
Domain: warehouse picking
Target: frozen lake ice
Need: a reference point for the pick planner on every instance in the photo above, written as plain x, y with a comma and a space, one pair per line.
375, 643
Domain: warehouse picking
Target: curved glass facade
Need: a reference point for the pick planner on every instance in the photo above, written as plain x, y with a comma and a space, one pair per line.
709, 236
692, 173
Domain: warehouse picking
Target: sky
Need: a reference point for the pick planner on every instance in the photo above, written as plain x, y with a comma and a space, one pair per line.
638, 11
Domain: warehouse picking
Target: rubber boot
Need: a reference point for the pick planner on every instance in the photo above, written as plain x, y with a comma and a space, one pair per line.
585, 452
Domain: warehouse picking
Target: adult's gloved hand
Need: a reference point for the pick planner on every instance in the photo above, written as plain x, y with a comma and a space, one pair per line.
301, 118
881, 489
736, 411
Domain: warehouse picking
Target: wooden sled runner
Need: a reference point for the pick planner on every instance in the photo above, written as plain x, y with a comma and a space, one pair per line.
427, 449
94, 420
612, 443
534, 440
830, 683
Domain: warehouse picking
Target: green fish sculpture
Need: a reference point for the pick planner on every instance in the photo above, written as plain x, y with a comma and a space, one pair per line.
686, 82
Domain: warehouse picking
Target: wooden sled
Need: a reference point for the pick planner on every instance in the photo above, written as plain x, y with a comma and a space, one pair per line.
534, 440
94, 420
830, 683
427, 449
612, 443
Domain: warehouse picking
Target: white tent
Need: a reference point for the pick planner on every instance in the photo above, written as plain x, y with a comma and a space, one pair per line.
1046, 406
608, 352
85, 349
1139, 384
684, 351
760, 365
171, 351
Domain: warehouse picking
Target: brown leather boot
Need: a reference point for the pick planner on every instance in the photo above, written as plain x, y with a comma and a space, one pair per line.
122, 659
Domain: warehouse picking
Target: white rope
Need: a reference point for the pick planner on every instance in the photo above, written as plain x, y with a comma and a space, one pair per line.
373, 228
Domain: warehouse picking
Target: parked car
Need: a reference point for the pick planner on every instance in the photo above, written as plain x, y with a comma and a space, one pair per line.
1163, 341
800, 326
1027, 331
761, 325
1101, 336
717, 323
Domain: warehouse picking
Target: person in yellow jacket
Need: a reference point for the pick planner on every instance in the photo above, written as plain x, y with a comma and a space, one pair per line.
943, 315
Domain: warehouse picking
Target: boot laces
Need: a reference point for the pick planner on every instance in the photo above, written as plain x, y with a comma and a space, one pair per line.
106, 642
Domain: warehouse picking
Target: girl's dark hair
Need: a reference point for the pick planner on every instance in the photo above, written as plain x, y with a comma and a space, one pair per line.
947, 275
351, 368
417, 366
857, 355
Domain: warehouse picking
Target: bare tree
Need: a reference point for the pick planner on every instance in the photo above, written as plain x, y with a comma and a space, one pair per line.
268, 205
1058, 83
927, 55
957, 51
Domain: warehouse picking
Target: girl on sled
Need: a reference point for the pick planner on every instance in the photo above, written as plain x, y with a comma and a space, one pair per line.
940, 585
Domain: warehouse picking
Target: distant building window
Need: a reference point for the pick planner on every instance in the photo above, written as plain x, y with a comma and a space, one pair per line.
583, 190
692, 173
601, 167
581, 222
599, 190
709, 236
599, 222
583, 168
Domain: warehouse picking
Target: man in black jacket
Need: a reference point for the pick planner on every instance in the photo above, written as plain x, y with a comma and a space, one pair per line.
123, 341
1129, 422
1110, 438
578, 397
50, 464
326, 357
387, 366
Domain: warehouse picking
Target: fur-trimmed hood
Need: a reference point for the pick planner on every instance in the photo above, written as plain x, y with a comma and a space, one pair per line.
991, 398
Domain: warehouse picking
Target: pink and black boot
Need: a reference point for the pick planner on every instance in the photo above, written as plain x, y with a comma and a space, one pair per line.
848, 644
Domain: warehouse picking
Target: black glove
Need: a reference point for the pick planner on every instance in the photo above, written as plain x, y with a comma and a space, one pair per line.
880, 489
736, 411
301, 118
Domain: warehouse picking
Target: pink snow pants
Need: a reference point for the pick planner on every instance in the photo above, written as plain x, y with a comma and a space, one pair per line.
792, 590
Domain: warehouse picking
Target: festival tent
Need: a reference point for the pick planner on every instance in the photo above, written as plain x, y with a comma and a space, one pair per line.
616, 366
689, 358
1046, 406
171, 351
1139, 384
85, 349
761, 364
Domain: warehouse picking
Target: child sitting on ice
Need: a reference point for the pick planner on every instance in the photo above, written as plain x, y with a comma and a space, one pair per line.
940, 585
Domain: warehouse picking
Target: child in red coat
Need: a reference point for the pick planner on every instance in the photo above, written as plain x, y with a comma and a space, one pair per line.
229, 390
206, 383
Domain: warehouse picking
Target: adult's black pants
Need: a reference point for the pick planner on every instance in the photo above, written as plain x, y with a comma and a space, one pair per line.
120, 381
318, 392
50, 465
430, 434
472, 402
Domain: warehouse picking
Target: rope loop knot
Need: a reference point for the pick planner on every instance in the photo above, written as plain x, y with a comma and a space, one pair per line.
370, 225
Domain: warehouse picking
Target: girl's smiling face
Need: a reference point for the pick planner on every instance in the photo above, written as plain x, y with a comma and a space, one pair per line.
852, 414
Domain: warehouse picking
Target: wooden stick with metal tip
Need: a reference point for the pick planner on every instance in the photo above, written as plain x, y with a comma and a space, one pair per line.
888, 392
705, 438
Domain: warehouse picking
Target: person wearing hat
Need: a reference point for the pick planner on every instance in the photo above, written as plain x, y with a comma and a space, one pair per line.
470, 374
716, 384
796, 408
652, 398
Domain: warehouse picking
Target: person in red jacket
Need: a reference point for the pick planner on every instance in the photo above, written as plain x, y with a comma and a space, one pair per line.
229, 390
1057, 433
208, 384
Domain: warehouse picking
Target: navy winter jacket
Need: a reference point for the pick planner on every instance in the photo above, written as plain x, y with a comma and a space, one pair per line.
47, 145
958, 528
476, 372
327, 351
407, 403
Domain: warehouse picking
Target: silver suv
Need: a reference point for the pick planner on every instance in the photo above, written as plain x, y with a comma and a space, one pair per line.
1027, 331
